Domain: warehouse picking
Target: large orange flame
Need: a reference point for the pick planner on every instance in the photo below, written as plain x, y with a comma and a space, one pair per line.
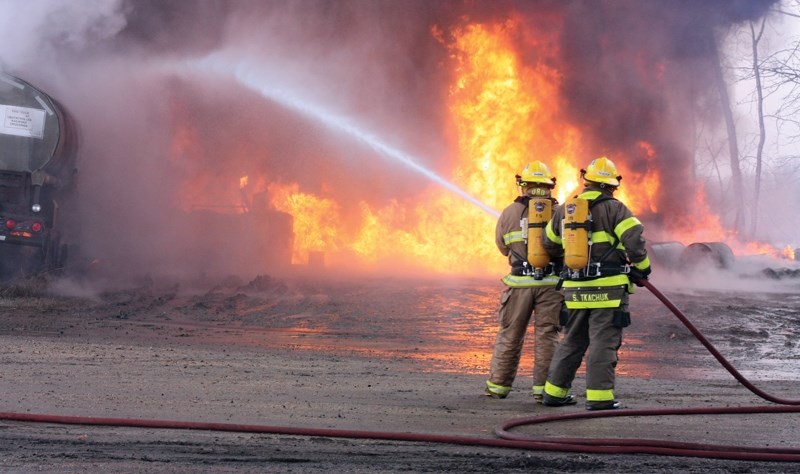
788, 253
503, 113
316, 220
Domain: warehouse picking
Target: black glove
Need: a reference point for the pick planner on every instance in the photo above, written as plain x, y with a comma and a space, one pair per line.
638, 277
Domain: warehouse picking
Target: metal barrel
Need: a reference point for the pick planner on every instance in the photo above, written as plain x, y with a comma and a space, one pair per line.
708, 253
665, 254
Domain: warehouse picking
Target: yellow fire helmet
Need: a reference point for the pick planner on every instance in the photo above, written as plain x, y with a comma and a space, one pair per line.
536, 172
602, 170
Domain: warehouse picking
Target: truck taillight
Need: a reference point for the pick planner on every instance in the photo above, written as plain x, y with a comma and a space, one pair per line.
36, 227
10, 224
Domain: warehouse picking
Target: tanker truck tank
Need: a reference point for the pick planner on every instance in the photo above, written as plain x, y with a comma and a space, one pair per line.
38, 146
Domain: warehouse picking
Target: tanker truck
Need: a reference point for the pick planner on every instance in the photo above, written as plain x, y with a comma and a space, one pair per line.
38, 147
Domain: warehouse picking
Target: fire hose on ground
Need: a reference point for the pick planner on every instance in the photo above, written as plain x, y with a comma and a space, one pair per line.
645, 446
507, 439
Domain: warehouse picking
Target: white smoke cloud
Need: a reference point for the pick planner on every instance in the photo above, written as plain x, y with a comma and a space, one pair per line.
33, 32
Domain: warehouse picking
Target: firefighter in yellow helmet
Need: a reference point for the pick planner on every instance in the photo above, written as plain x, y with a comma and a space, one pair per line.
597, 279
531, 283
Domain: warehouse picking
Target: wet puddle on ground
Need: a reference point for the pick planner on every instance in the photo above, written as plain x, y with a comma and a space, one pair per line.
451, 328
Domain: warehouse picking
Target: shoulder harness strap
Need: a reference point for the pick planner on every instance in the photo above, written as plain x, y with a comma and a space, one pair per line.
614, 244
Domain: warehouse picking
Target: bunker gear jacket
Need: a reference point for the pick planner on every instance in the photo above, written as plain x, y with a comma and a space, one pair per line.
510, 240
597, 300
616, 236
524, 298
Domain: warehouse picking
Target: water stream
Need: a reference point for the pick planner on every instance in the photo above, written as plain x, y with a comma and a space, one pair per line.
248, 75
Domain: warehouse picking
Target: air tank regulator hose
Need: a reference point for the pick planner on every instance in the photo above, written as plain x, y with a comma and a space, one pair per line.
507, 439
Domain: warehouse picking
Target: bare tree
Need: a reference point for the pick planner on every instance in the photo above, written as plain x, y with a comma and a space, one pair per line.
779, 74
733, 146
775, 78
762, 131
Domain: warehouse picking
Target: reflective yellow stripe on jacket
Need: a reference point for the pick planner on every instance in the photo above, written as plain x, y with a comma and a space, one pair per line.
613, 280
521, 281
513, 236
626, 224
605, 237
643, 264
595, 299
556, 239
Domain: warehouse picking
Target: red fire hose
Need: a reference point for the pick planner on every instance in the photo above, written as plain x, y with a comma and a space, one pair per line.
715, 352
507, 439
645, 446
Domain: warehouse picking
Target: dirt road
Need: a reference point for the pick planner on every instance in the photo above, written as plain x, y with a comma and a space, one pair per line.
395, 356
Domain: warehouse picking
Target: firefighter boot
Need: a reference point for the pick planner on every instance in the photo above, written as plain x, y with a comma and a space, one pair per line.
551, 401
496, 391
538, 393
604, 405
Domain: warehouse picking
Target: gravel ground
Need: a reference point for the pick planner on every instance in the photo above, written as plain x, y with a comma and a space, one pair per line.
395, 357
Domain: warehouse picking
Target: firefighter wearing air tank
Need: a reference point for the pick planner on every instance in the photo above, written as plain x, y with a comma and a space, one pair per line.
604, 254
530, 284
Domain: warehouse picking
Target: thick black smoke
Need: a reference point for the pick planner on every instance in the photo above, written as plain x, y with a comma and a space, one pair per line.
637, 71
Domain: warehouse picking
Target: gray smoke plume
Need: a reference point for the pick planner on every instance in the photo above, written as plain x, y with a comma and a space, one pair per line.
120, 68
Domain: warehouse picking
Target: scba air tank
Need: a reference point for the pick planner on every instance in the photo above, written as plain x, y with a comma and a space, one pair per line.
539, 213
575, 234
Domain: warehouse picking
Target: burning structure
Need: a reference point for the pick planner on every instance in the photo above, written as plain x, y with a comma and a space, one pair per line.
385, 130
